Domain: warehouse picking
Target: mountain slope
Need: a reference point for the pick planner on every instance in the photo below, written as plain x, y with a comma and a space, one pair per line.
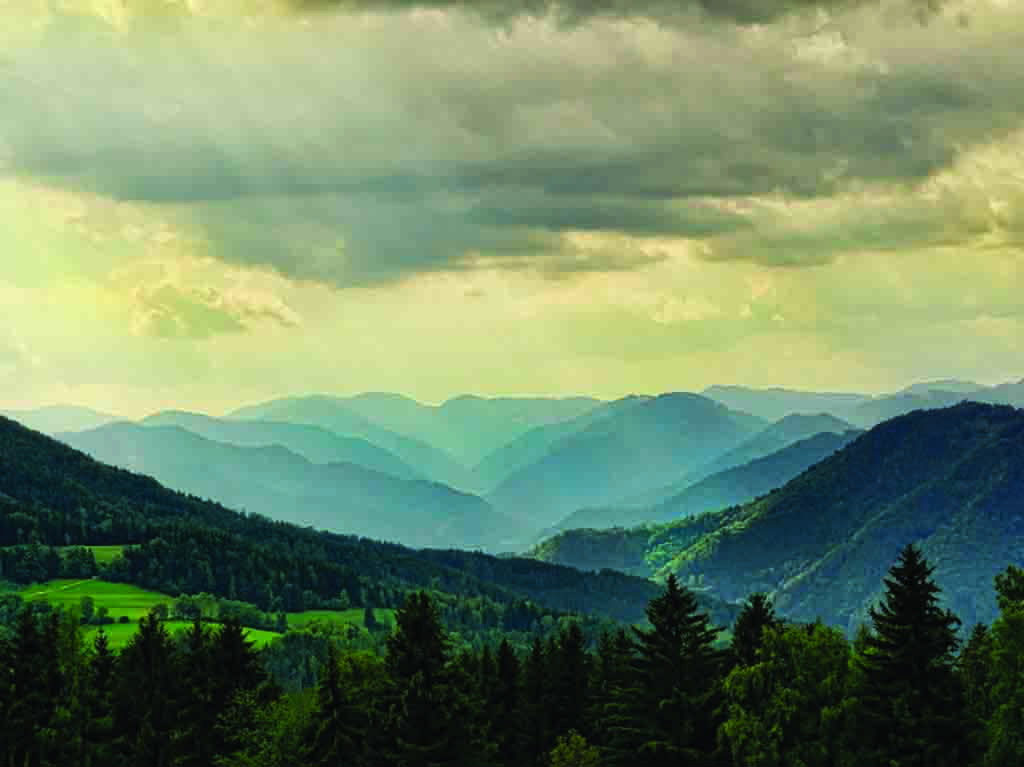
781, 434
280, 484
640, 448
59, 496
57, 418
951, 480
536, 443
731, 487
333, 414
311, 442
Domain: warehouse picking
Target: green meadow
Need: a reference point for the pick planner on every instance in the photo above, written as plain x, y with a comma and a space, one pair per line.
133, 603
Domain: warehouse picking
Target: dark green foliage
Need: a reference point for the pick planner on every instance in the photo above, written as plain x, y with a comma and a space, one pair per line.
748, 633
912, 699
670, 712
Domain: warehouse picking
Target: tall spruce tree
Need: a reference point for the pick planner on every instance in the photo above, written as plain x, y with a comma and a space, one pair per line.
1006, 723
912, 701
435, 722
672, 710
748, 634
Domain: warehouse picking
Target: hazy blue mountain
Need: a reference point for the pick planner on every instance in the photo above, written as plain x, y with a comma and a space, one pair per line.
280, 484
891, 406
950, 480
334, 414
311, 442
467, 427
1003, 394
773, 404
639, 448
740, 484
58, 418
952, 385
773, 438
536, 443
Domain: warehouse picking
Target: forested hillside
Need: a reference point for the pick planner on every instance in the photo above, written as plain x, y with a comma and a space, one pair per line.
952, 480
53, 495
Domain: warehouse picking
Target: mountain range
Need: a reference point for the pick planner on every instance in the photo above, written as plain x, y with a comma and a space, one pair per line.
951, 480
730, 487
644, 444
280, 484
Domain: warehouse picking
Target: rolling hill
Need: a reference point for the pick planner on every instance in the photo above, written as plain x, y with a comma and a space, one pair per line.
951, 480
273, 481
639, 448
311, 442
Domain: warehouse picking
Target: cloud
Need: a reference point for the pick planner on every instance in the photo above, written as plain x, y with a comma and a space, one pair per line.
573, 12
363, 148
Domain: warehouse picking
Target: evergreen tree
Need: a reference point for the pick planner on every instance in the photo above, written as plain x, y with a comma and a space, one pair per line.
506, 706
99, 731
34, 691
672, 711
612, 670
537, 735
570, 681
748, 634
1006, 724
974, 667
912, 700
435, 721
194, 735
147, 696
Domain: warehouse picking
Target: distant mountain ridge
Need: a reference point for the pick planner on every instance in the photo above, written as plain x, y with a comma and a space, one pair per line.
311, 442
58, 418
333, 414
278, 483
951, 480
643, 446
740, 484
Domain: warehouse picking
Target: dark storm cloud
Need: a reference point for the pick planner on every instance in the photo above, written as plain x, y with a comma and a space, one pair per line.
354, 154
742, 12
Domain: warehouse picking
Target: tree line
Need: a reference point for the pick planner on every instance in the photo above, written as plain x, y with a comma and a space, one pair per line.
903, 692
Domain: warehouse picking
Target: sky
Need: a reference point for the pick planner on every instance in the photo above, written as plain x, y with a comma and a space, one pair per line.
208, 203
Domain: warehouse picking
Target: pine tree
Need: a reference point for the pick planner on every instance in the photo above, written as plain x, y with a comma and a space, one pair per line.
570, 681
99, 729
1006, 724
147, 695
194, 735
435, 722
672, 711
748, 634
912, 698
506, 706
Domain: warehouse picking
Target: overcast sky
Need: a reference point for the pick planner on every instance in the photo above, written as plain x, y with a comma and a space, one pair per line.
204, 203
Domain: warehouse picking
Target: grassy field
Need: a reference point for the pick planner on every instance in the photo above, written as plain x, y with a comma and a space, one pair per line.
105, 554
119, 598
353, 617
120, 634
132, 602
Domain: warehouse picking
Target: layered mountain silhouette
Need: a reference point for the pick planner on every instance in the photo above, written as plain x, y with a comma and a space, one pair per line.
278, 483
311, 442
727, 488
58, 418
782, 433
48, 488
642, 446
333, 414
